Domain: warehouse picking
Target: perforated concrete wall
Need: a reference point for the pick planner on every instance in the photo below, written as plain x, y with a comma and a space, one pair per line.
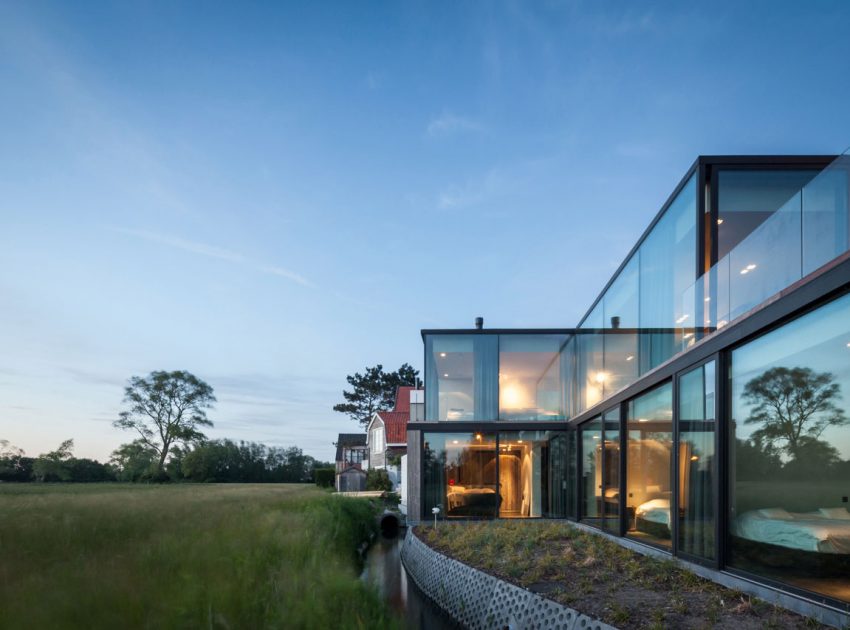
477, 600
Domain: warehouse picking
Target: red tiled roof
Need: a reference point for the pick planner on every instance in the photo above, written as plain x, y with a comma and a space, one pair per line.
395, 426
402, 398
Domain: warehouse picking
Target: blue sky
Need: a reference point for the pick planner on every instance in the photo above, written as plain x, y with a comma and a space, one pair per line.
273, 196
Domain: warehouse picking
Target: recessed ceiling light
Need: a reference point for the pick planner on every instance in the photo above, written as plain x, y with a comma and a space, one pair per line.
745, 271
682, 318
443, 354
848, 344
454, 441
445, 375
708, 299
719, 221
751, 266
630, 357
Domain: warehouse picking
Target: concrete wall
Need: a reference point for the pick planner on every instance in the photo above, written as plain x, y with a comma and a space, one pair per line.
479, 600
414, 477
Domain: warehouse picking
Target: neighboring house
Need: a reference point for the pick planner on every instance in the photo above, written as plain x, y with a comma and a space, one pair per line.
351, 462
699, 407
387, 435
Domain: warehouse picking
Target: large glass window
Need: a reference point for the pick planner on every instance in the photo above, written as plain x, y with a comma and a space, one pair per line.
460, 475
532, 474
530, 380
790, 453
648, 466
591, 472
697, 461
461, 377
667, 273
611, 471
621, 323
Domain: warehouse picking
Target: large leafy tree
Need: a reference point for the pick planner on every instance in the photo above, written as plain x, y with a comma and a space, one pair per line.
374, 390
166, 409
793, 407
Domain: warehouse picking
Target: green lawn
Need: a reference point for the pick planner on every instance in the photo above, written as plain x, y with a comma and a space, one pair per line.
183, 556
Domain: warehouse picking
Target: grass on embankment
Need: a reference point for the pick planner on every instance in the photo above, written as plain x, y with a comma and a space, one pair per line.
600, 578
184, 556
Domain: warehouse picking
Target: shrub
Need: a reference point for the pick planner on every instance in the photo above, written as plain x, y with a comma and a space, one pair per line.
378, 479
324, 477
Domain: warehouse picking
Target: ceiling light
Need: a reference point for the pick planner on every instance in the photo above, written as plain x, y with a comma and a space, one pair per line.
681, 319
694, 458
445, 375
595, 437
630, 357
722, 323
719, 221
443, 354
520, 441
708, 299
600, 377
689, 335
477, 436
744, 271
848, 344
751, 266
454, 441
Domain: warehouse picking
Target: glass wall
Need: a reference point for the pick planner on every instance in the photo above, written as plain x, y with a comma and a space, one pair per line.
611, 471
748, 198
621, 325
461, 377
826, 216
697, 461
530, 380
590, 366
591, 472
667, 270
790, 453
649, 465
532, 474
460, 475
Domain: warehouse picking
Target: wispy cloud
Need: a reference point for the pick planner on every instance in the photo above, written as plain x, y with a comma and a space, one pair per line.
211, 251
448, 123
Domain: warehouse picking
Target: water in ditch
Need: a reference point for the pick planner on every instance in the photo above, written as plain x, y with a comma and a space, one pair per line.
384, 569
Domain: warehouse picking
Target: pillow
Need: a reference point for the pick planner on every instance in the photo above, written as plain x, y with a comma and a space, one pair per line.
780, 514
837, 513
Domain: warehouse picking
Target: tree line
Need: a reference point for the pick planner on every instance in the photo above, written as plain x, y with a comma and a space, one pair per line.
219, 461
167, 410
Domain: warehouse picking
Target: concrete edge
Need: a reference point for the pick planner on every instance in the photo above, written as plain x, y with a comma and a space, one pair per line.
478, 600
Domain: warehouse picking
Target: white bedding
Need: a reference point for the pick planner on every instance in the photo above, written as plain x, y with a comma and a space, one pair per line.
809, 531
655, 511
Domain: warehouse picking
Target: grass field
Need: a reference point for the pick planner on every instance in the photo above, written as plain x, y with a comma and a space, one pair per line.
183, 556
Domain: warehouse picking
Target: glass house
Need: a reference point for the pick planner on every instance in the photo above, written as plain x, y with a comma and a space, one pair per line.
701, 407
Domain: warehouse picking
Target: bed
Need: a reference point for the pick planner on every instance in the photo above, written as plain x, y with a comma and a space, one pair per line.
824, 531
653, 517
470, 500
815, 543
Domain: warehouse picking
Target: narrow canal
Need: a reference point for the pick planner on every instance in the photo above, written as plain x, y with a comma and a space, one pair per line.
384, 569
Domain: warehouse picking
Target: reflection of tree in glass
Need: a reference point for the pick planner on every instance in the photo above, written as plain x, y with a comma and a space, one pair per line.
794, 406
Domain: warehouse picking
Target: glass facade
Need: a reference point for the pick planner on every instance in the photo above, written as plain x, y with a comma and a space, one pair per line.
532, 474
790, 453
460, 474
611, 471
697, 461
649, 458
653, 466
530, 377
591, 472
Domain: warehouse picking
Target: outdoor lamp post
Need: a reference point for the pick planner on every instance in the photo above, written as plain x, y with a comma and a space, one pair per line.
435, 511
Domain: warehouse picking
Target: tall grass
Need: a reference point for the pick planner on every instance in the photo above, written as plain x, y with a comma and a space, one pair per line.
212, 556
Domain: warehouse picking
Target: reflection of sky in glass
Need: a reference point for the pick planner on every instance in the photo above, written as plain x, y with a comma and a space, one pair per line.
818, 341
